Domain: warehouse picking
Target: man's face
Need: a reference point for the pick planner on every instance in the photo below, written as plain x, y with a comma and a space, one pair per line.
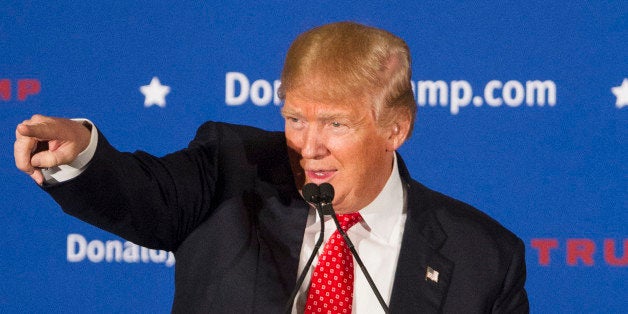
341, 144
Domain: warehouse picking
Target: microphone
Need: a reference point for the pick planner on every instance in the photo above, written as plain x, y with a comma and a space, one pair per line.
327, 190
311, 194
326, 197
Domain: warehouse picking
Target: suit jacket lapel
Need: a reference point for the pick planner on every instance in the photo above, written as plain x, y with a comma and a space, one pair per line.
423, 275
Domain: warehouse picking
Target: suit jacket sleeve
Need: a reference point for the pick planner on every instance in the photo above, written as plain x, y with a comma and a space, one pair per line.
513, 297
157, 202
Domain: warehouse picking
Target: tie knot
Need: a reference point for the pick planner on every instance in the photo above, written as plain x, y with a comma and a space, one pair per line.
348, 220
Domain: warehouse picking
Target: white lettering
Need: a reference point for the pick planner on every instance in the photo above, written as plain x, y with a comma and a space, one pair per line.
433, 90
170, 261
540, 88
131, 252
157, 256
230, 89
513, 93
114, 251
78, 248
77, 245
458, 101
489, 93
144, 254
261, 93
507, 93
95, 251
456, 94
238, 90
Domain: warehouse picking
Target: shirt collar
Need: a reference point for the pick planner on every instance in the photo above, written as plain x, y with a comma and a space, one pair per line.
382, 214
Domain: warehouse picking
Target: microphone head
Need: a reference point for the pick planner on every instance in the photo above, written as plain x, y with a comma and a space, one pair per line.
311, 193
326, 192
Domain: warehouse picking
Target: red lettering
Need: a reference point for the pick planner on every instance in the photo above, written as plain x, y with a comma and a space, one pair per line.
610, 254
5, 89
580, 249
544, 247
27, 87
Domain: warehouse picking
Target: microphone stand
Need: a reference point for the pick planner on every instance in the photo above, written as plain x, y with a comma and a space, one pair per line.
321, 197
317, 245
359, 261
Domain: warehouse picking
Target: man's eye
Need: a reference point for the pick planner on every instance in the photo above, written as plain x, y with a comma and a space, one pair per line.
338, 128
294, 123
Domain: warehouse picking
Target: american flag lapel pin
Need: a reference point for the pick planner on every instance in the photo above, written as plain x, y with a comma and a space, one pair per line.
431, 274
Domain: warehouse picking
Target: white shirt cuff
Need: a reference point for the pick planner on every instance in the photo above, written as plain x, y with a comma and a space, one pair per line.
72, 170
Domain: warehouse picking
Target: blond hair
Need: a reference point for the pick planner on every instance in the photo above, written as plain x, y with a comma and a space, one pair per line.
347, 61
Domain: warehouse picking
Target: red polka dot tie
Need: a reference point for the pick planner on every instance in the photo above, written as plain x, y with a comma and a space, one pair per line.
331, 289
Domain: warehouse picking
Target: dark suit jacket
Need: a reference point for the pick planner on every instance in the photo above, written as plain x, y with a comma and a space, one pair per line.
228, 208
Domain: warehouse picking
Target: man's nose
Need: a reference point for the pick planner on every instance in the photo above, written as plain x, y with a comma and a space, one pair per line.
313, 144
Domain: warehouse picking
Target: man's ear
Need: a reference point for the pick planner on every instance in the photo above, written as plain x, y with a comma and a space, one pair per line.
398, 133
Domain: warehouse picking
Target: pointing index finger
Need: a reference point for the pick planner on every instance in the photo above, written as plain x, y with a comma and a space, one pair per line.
39, 130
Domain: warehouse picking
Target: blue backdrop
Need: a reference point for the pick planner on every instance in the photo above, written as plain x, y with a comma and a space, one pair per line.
520, 114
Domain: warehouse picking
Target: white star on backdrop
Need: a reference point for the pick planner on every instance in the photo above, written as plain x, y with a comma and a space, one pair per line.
621, 92
155, 93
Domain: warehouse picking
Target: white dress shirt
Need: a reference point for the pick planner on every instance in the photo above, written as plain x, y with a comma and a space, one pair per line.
377, 239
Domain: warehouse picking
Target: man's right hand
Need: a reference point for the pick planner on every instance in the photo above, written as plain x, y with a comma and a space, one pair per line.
65, 139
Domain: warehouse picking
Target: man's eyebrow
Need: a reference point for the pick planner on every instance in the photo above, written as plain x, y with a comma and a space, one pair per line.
333, 116
324, 117
289, 112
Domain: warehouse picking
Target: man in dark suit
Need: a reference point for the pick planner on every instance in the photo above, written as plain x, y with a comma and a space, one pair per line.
230, 205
